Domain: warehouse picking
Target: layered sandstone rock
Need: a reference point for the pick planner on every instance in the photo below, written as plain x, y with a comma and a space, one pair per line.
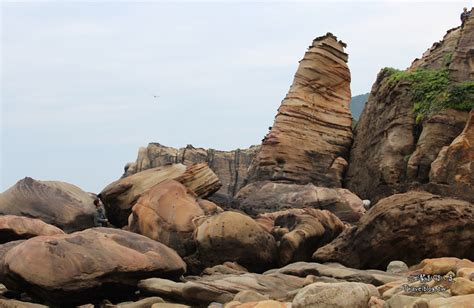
392, 153
223, 288
230, 166
96, 263
408, 227
14, 228
120, 196
268, 196
234, 237
166, 212
299, 232
313, 125
453, 169
57, 203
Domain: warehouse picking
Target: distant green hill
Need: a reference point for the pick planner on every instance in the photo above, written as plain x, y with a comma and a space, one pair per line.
357, 105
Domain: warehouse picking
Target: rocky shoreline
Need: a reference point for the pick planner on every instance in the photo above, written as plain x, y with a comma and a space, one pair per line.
282, 224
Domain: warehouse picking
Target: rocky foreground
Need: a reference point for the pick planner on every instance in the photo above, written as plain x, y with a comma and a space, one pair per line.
282, 224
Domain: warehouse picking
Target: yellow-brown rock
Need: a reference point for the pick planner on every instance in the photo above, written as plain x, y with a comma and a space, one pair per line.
441, 266
462, 286
166, 212
453, 169
120, 196
14, 228
313, 125
234, 237
464, 301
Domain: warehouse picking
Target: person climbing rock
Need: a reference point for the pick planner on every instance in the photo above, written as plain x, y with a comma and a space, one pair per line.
99, 216
464, 16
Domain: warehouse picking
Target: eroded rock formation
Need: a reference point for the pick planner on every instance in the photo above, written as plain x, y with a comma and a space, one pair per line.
120, 196
453, 170
57, 203
230, 166
166, 212
408, 227
313, 125
392, 153
300, 231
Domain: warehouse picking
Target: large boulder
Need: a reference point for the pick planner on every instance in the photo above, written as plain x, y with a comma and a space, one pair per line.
166, 212
234, 237
267, 196
313, 126
299, 232
229, 166
453, 170
14, 228
120, 196
341, 294
408, 227
83, 266
57, 203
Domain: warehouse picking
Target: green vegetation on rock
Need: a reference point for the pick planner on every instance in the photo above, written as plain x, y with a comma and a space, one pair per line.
432, 90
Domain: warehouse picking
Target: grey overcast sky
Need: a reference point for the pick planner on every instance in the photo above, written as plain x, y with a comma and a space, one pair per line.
78, 78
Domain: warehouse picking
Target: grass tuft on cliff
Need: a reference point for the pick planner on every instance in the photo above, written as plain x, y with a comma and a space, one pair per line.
433, 91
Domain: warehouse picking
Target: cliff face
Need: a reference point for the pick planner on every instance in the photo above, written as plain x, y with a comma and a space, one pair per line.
313, 125
230, 166
391, 152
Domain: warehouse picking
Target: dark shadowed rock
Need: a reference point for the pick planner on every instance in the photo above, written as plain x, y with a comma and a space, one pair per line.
14, 228
408, 227
83, 266
57, 203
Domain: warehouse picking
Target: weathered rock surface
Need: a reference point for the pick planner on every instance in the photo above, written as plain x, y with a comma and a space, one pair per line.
223, 288
339, 272
455, 301
392, 153
120, 196
12, 303
166, 212
57, 203
267, 196
408, 227
328, 295
230, 166
453, 170
78, 267
313, 125
14, 228
299, 232
462, 64
234, 237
